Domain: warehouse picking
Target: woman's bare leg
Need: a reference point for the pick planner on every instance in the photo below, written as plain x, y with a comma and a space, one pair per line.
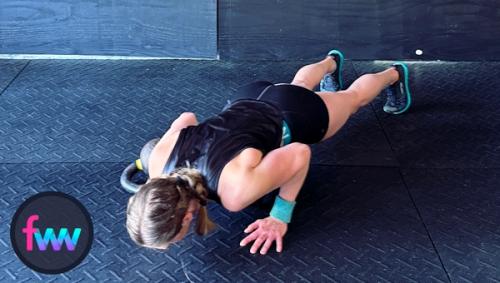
310, 75
342, 104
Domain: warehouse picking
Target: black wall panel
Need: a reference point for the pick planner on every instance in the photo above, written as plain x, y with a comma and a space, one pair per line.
363, 29
257, 29
170, 28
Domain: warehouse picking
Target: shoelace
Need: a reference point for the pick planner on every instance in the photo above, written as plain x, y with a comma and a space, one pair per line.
393, 100
329, 84
391, 97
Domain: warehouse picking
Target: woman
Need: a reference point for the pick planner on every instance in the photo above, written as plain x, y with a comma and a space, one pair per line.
258, 143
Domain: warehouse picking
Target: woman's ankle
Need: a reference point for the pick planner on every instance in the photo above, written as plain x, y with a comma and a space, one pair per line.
332, 65
393, 75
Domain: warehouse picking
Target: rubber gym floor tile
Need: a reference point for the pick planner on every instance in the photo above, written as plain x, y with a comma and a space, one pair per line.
104, 111
461, 210
351, 224
360, 142
9, 70
455, 118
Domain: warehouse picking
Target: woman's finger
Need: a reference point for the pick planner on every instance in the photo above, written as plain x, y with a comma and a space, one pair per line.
249, 238
256, 244
279, 243
252, 227
266, 246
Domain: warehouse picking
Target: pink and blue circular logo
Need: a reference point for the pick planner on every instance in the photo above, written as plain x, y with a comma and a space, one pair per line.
51, 232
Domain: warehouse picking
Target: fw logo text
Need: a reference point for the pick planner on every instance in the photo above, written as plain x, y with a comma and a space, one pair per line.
49, 236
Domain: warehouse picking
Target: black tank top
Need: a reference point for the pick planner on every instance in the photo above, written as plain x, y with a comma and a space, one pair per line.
210, 145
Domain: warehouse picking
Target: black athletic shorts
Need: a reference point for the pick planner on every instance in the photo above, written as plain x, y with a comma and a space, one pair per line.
304, 111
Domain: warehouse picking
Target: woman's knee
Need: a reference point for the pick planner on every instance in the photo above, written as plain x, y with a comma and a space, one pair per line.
354, 99
360, 85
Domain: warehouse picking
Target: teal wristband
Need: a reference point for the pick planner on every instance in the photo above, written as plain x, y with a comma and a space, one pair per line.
282, 209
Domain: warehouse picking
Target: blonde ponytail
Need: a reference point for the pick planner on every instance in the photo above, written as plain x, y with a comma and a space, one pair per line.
155, 213
203, 224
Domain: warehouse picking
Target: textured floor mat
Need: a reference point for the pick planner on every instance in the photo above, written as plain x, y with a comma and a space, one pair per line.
351, 225
9, 70
461, 210
455, 117
360, 142
72, 126
104, 111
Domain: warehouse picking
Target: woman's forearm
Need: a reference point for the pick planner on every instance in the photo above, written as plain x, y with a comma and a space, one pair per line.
290, 189
283, 168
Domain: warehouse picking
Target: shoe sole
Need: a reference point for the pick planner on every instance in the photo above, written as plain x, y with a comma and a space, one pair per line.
339, 67
407, 88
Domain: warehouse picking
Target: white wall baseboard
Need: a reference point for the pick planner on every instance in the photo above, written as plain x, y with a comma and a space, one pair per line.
91, 57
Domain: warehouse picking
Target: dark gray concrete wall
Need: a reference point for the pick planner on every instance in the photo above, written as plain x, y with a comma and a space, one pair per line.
257, 29
363, 29
170, 28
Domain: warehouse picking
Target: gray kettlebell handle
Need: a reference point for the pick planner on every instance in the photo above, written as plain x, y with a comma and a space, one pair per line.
126, 178
129, 172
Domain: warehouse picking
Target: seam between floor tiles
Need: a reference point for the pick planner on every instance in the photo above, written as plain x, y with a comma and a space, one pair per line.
128, 162
425, 226
403, 167
410, 196
412, 200
312, 164
15, 77
406, 186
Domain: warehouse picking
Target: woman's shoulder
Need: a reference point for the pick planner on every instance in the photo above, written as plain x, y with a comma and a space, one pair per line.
249, 157
244, 161
161, 153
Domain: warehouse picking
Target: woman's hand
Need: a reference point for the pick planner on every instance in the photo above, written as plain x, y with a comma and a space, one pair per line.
265, 231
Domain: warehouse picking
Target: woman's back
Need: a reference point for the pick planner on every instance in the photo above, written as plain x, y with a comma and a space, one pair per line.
212, 144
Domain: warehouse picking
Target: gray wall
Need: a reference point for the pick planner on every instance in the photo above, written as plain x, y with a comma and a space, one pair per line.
168, 28
254, 29
363, 29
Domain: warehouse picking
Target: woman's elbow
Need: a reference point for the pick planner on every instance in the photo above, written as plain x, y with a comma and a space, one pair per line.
188, 115
232, 204
234, 199
303, 151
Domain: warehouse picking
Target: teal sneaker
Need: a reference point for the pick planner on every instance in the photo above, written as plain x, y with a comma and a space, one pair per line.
333, 81
398, 94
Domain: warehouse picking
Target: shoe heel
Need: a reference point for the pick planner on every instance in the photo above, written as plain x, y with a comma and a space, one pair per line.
340, 64
406, 74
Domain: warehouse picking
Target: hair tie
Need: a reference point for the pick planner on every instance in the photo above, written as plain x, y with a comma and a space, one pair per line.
179, 181
203, 202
